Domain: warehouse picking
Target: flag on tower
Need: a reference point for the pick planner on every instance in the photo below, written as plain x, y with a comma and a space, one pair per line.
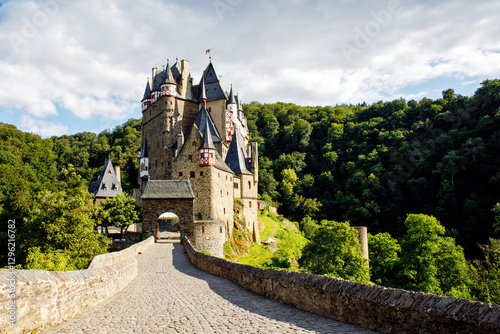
208, 51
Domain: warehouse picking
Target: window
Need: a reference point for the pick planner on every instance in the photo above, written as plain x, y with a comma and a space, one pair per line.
201, 173
235, 185
203, 229
220, 227
190, 157
224, 210
226, 177
180, 173
231, 178
249, 184
156, 163
192, 174
250, 204
219, 174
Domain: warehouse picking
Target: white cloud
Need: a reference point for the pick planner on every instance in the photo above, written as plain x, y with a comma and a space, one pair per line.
92, 57
41, 127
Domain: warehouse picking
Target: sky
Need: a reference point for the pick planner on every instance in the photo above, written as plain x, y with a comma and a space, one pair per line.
68, 66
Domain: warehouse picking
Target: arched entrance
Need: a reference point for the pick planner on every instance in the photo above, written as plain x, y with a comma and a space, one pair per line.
168, 196
168, 226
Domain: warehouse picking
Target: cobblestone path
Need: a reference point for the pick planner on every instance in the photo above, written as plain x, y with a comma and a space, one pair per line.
172, 296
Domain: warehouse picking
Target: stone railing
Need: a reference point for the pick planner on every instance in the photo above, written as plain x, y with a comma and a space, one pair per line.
46, 298
371, 306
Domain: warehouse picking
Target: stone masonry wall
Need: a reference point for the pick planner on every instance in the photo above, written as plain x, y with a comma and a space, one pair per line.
371, 306
209, 236
46, 298
153, 208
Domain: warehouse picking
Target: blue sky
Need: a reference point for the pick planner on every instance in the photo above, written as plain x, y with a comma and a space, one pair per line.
72, 65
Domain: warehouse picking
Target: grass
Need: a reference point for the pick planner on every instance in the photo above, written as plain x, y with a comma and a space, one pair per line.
282, 255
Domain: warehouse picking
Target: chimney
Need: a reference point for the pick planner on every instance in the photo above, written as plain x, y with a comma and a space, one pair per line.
184, 77
118, 176
255, 160
154, 71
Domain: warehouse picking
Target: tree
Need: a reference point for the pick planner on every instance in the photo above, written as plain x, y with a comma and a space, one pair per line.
120, 211
335, 251
384, 258
487, 275
60, 228
432, 263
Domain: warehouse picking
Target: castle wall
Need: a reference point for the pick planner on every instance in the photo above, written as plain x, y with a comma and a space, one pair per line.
153, 208
209, 236
48, 298
249, 196
217, 109
371, 306
223, 197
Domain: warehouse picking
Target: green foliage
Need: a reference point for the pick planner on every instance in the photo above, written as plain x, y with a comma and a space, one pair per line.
334, 250
374, 164
59, 232
431, 262
384, 254
120, 211
487, 273
282, 255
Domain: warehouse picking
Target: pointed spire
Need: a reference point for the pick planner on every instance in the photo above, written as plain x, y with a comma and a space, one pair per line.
169, 78
203, 93
232, 99
236, 157
208, 142
147, 92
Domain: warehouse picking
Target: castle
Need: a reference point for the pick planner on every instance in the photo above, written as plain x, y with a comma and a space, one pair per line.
195, 158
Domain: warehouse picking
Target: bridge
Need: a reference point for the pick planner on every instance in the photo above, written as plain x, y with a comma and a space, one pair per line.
170, 295
169, 287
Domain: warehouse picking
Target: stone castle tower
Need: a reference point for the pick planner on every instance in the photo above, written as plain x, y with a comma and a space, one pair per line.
196, 135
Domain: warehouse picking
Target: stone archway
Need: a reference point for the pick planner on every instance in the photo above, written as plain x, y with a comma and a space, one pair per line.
163, 196
168, 222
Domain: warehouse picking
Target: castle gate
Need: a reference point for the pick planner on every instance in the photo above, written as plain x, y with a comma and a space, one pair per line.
168, 196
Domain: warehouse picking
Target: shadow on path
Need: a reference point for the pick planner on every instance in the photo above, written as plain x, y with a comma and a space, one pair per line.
258, 304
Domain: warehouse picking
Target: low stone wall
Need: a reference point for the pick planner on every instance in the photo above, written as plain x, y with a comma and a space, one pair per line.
46, 298
371, 306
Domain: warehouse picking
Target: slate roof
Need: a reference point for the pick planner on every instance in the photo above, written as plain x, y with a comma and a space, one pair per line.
236, 157
107, 184
168, 77
176, 70
168, 189
232, 99
201, 121
213, 88
207, 142
147, 92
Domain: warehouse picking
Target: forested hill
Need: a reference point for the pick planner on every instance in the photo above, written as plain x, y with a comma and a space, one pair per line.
373, 165
369, 164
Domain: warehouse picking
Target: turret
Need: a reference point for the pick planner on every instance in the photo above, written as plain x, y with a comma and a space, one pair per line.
146, 100
207, 147
231, 102
203, 95
168, 86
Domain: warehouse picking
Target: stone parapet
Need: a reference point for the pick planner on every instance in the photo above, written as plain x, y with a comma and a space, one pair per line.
46, 298
383, 309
